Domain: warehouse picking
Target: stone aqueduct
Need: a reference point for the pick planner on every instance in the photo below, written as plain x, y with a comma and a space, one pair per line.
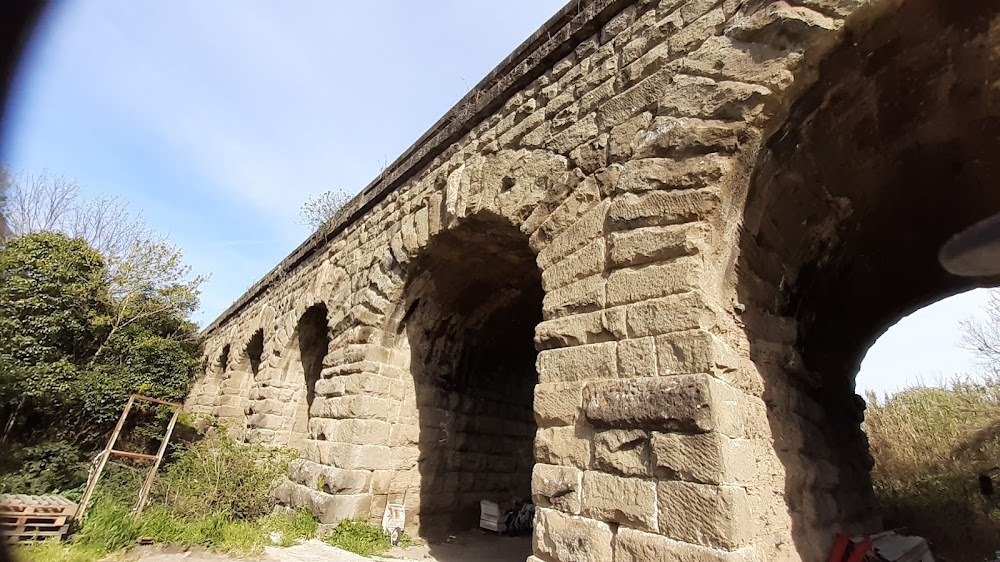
632, 274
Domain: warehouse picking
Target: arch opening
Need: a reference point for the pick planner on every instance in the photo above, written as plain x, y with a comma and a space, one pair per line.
473, 299
223, 362
255, 352
892, 151
314, 343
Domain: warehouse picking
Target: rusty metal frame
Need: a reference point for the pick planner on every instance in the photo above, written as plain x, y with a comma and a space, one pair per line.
111, 451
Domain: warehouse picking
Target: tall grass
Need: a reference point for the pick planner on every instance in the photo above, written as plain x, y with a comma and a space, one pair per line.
930, 445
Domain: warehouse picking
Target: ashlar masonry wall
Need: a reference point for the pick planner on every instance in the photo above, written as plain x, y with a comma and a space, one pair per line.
558, 292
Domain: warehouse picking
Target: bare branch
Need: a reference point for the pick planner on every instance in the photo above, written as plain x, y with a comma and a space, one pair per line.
319, 209
982, 337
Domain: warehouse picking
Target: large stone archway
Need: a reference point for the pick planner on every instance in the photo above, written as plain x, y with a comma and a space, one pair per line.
473, 299
708, 211
892, 151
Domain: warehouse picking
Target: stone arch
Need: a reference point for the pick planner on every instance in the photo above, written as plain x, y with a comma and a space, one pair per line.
222, 363
284, 382
472, 301
312, 344
254, 352
889, 152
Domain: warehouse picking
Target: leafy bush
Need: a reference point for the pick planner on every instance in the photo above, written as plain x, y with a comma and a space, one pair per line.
53, 467
221, 476
930, 445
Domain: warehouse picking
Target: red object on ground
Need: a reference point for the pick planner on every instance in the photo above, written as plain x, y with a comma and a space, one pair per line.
840, 545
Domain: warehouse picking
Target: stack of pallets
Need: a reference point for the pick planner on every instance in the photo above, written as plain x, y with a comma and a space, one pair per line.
28, 518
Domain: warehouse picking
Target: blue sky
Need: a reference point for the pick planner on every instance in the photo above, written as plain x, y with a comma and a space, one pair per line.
218, 119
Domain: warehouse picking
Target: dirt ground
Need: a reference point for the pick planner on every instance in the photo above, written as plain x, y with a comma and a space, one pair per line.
478, 546
464, 547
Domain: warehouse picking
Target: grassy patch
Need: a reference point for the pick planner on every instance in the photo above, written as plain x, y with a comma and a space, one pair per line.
214, 493
290, 528
930, 445
361, 537
110, 528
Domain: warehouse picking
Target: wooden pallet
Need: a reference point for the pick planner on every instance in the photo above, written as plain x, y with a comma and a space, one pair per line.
26, 518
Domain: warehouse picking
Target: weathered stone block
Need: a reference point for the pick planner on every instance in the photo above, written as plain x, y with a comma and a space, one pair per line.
616, 499
585, 262
698, 96
624, 451
707, 458
637, 546
651, 60
582, 296
564, 446
676, 313
662, 207
583, 362
325, 507
625, 137
652, 281
688, 403
724, 59
579, 329
404, 434
564, 537
636, 358
358, 383
637, 99
694, 33
372, 432
352, 407
657, 243
669, 173
695, 351
580, 132
327, 479
671, 136
349, 456
581, 230
557, 403
714, 516
785, 27
331, 509
557, 487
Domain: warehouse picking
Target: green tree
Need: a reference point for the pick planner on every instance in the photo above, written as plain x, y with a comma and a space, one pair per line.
75, 343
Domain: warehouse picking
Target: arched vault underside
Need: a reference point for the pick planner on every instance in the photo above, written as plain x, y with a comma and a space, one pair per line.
632, 274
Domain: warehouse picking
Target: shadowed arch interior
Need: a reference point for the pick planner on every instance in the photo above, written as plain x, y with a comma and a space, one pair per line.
473, 297
255, 351
896, 148
223, 362
314, 343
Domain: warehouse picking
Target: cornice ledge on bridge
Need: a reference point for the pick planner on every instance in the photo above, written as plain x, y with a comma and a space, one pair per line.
558, 37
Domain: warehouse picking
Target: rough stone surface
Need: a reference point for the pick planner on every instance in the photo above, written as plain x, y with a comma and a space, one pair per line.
622, 277
686, 403
565, 537
714, 516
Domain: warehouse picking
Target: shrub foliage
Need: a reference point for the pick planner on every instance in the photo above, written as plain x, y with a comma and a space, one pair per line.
70, 357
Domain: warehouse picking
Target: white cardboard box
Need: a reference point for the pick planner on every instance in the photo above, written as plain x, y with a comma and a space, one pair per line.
493, 525
489, 516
